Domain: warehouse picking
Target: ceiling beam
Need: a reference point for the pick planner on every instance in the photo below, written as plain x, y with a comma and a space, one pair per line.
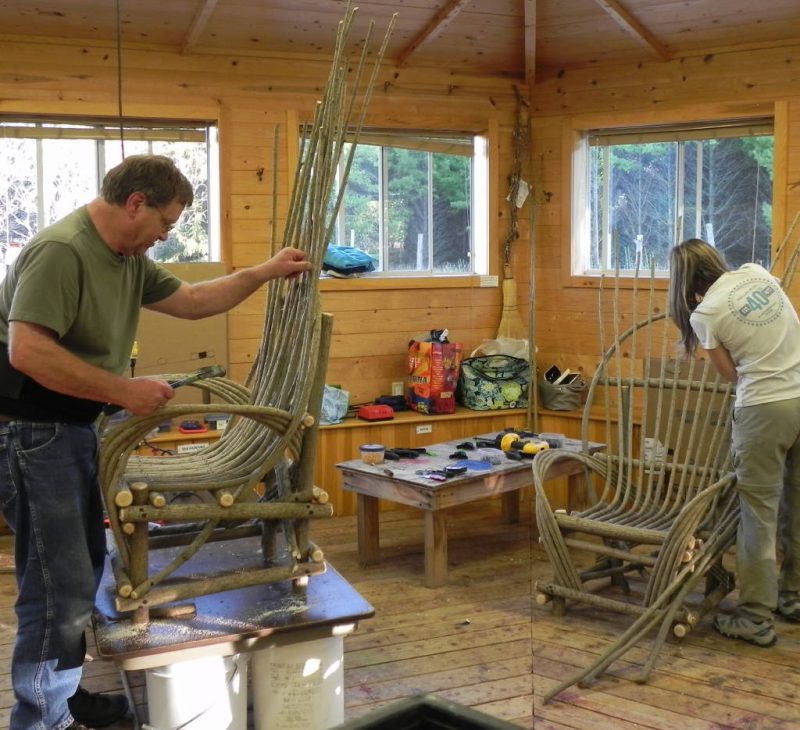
199, 23
530, 42
432, 30
626, 19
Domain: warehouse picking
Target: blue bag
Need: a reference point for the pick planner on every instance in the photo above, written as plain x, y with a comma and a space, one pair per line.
347, 260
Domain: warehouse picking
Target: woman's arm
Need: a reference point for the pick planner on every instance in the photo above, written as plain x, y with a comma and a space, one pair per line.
724, 363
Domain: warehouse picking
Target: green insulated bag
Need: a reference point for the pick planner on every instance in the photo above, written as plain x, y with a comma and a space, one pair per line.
492, 382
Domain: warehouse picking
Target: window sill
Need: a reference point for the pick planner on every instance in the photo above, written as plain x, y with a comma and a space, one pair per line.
367, 283
625, 282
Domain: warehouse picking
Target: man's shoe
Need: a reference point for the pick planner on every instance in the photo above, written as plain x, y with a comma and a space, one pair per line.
789, 606
95, 709
760, 633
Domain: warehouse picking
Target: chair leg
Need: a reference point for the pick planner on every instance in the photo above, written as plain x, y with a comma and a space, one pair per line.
126, 687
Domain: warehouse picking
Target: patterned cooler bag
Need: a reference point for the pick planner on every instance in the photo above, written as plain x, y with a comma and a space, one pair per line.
493, 382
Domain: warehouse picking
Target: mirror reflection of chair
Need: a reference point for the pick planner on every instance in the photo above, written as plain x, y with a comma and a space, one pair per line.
665, 508
187, 500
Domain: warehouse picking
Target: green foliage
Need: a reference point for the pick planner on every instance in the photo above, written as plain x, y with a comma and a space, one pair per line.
423, 191
726, 193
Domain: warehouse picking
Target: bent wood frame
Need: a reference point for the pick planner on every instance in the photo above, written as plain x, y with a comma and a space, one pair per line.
272, 437
667, 509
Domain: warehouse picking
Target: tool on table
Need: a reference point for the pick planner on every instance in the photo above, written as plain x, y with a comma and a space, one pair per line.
524, 444
437, 475
210, 371
474, 465
397, 454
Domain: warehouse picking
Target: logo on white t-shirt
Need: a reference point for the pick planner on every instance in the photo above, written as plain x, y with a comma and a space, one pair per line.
756, 302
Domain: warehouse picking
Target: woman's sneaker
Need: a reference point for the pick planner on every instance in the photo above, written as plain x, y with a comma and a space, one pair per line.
760, 633
789, 606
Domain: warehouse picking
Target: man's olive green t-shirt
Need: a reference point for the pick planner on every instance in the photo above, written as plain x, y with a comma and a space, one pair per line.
68, 280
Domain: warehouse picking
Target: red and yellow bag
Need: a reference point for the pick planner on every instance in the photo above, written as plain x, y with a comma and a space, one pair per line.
433, 369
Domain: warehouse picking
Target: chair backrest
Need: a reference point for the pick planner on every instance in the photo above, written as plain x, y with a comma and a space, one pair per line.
667, 418
283, 370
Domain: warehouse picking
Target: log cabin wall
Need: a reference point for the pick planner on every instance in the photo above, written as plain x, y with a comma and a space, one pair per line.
722, 85
248, 96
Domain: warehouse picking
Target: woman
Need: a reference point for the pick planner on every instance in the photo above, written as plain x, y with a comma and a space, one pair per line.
751, 333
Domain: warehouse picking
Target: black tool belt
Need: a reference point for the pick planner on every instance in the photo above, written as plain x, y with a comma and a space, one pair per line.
23, 399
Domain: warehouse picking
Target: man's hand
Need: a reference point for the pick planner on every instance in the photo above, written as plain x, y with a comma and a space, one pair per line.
289, 262
145, 395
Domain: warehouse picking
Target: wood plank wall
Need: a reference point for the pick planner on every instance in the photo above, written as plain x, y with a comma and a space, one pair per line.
249, 95
724, 85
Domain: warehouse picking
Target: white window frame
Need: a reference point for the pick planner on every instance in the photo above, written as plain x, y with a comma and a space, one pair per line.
647, 131
479, 195
103, 130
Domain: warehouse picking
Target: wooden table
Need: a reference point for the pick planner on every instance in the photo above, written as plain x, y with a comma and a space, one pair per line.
397, 481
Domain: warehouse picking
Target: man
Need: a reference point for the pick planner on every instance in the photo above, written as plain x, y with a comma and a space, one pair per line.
69, 310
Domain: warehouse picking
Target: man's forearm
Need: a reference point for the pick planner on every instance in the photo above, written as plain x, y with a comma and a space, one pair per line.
222, 294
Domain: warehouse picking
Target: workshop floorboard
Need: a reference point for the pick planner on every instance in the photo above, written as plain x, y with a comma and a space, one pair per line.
483, 642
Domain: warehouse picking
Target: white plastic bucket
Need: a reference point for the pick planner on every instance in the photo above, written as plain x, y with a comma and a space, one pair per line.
299, 686
209, 693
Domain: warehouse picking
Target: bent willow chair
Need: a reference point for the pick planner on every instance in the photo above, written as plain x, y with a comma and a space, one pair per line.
664, 508
272, 436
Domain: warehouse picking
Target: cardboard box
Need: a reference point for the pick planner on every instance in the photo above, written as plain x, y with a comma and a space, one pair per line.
171, 345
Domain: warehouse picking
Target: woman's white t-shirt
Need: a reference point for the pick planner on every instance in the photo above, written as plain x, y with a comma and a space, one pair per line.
747, 312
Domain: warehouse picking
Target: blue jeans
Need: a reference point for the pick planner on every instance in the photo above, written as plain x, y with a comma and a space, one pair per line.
51, 499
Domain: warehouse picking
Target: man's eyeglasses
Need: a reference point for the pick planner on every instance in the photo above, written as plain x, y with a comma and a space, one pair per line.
166, 224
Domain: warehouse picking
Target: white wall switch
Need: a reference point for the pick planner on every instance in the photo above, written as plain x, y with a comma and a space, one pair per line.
397, 387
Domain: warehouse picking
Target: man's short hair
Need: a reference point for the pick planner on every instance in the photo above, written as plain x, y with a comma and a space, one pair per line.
154, 175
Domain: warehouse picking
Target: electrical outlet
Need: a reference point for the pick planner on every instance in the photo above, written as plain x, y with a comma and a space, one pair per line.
425, 428
397, 387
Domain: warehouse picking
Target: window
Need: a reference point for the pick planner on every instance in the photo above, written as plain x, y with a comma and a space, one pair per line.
50, 167
417, 203
642, 190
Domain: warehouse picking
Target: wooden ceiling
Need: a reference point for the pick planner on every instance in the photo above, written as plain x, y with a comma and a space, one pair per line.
513, 38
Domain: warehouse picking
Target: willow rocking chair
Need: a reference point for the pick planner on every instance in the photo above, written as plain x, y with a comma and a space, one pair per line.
258, 477
665, 508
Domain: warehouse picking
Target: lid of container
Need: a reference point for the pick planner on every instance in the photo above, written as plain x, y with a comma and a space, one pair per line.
372, 447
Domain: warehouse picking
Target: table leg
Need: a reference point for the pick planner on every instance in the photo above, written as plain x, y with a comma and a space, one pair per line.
578, 491
369, 550
510, 505
435, 548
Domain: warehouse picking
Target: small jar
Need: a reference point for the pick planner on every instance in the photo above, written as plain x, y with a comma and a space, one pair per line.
372, 453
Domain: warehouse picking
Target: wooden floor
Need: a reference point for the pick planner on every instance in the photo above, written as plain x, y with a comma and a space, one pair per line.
483, 642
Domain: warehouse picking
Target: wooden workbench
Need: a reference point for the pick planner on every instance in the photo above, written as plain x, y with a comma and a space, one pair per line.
261, 619
398, 481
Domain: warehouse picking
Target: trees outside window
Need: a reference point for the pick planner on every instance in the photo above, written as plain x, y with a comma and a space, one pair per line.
648, 189
413, 210
49, 168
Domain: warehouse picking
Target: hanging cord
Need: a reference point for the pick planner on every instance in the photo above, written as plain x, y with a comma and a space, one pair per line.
119, 80
520, 149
